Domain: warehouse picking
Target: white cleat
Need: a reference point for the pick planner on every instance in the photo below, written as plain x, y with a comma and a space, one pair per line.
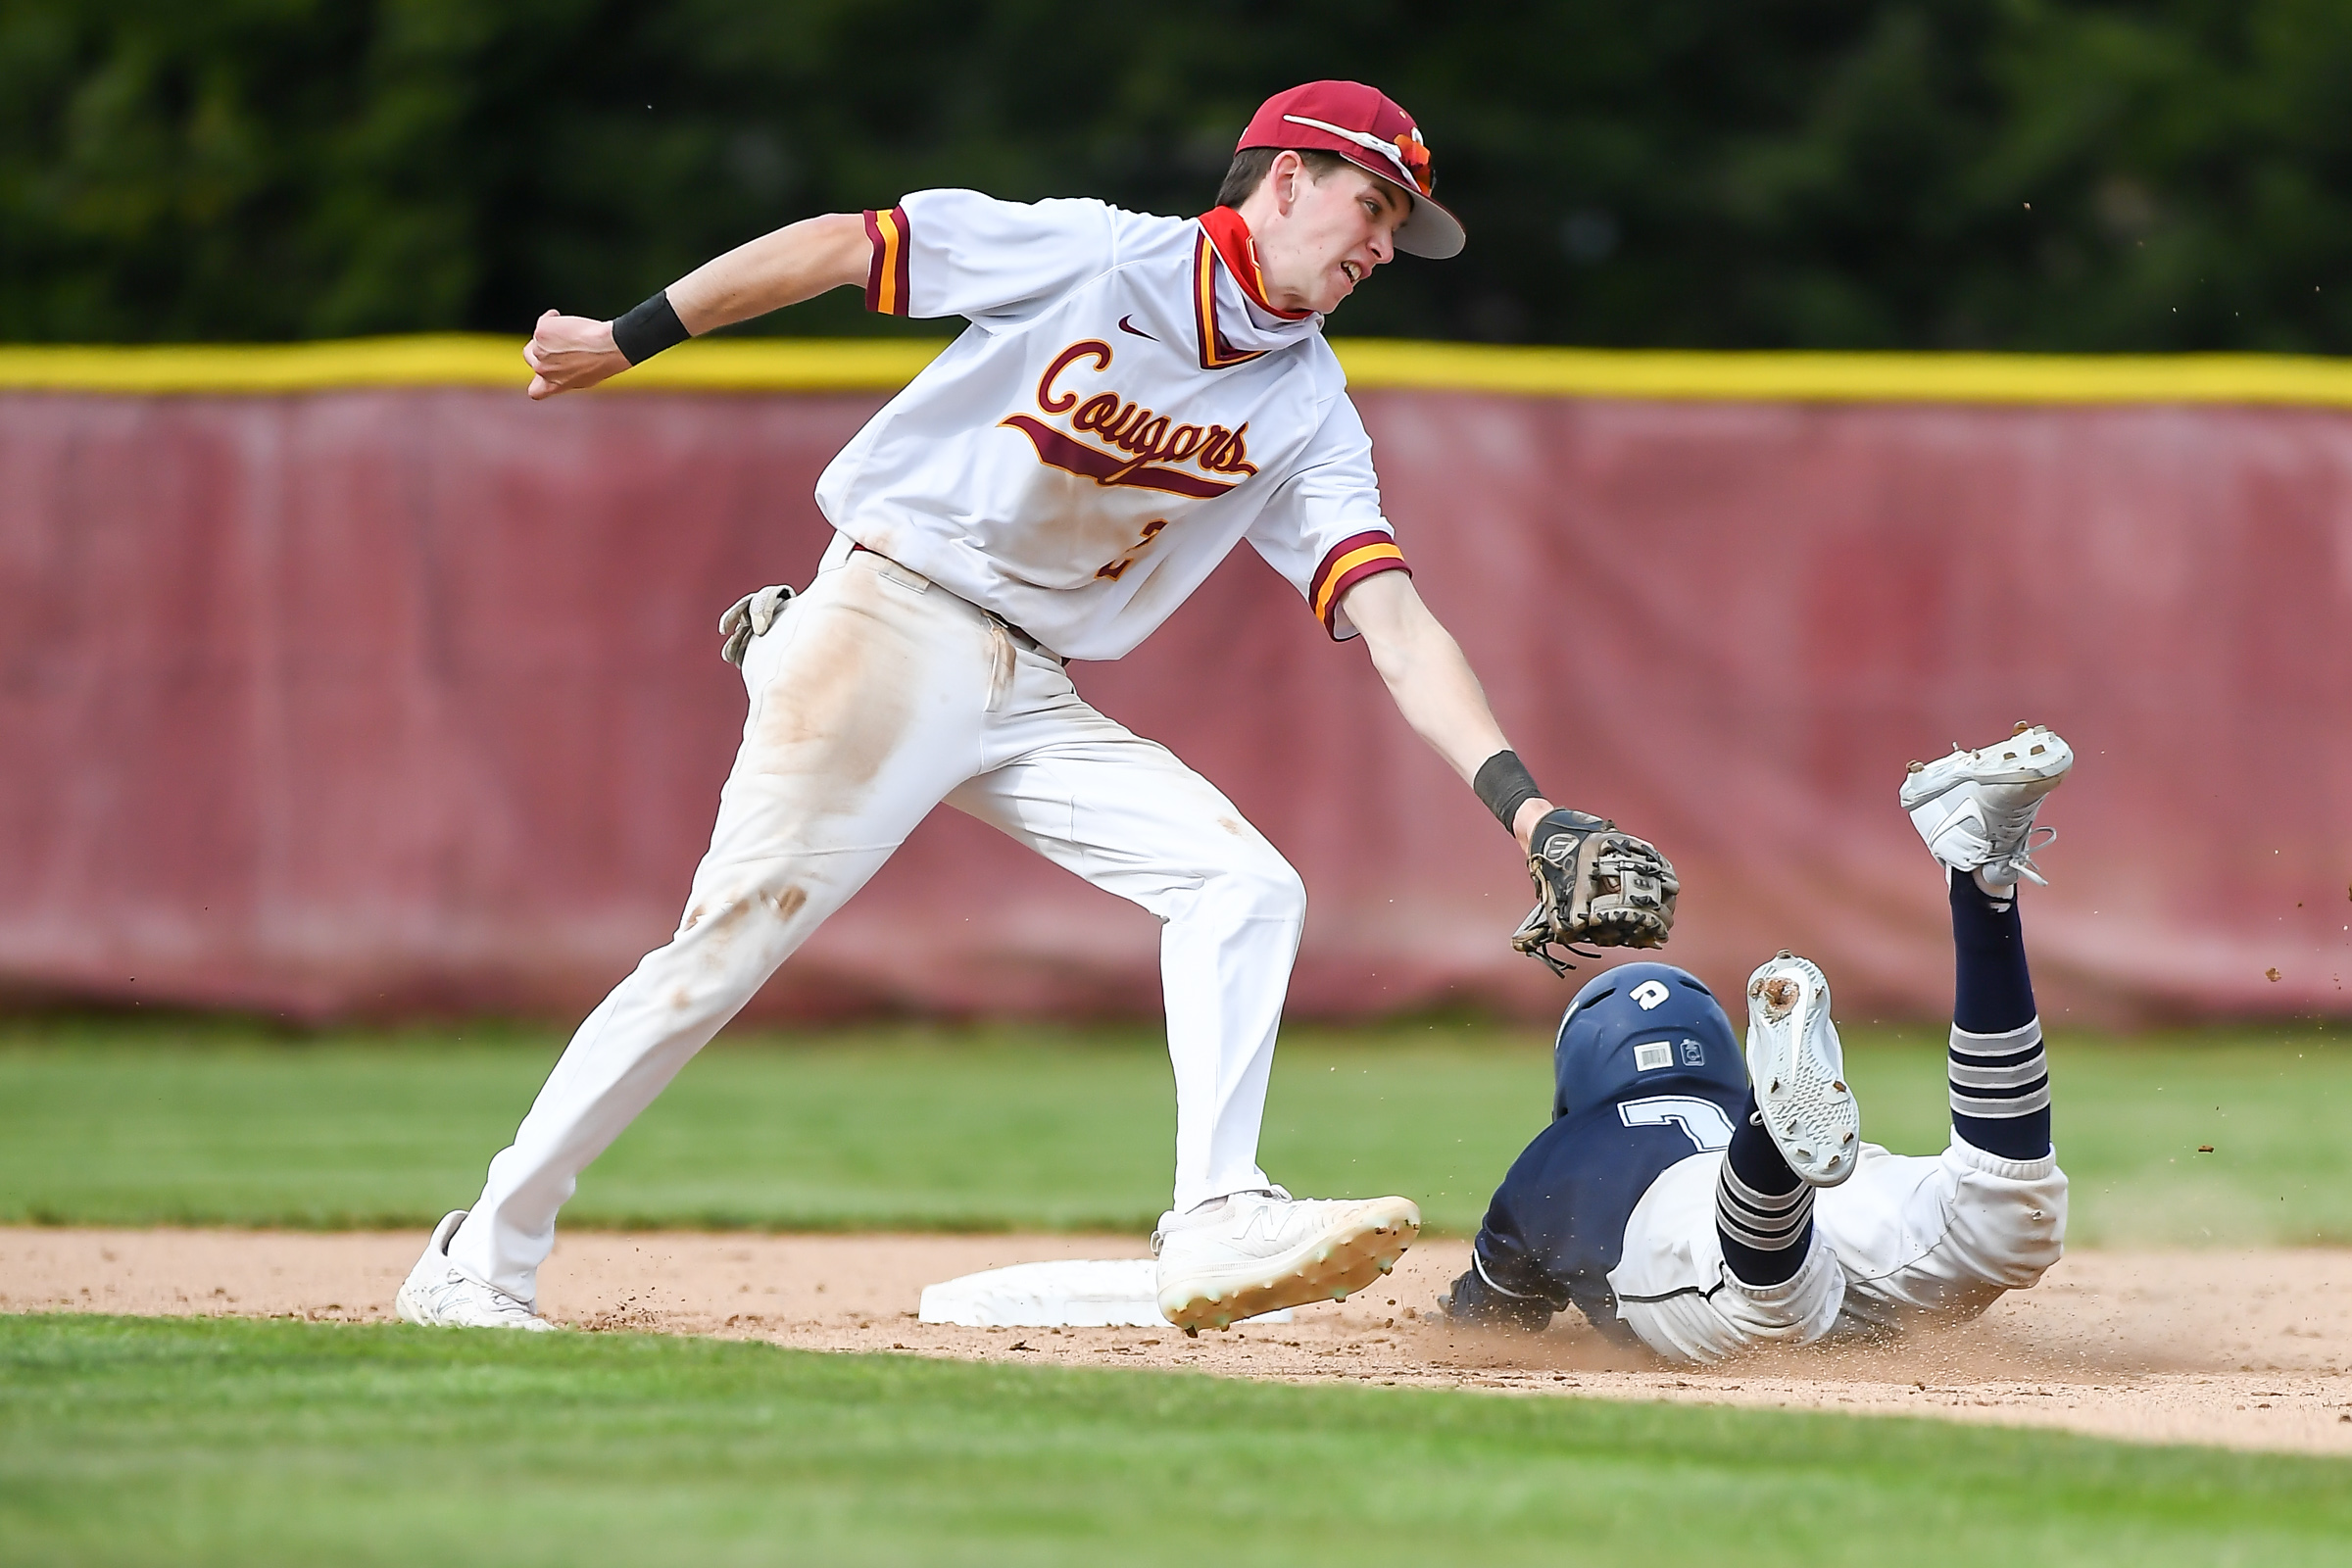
437, 1293
1976, 808
1798, 1070
1237, 1257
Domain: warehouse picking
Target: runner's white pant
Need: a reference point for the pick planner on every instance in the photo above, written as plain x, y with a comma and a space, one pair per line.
874, 697
1902, 1238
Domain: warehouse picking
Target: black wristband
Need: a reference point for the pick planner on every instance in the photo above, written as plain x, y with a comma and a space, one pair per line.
648, 329
1505, 785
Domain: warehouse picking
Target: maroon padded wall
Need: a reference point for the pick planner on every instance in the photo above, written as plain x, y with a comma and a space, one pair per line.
365, 702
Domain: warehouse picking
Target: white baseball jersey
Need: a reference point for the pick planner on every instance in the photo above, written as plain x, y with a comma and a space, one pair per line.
1123, 409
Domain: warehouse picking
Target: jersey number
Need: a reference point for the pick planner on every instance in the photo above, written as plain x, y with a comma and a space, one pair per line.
1113, 570
1702, 1121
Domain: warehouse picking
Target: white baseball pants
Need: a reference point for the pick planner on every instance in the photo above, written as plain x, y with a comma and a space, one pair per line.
1902, 1238
874, 697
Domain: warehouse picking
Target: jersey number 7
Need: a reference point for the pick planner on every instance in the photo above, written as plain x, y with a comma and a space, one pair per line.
1702, 1121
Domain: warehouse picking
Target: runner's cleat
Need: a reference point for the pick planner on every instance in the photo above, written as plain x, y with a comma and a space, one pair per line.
1237, 1257
1976, 808
1798, 1071
437, 1293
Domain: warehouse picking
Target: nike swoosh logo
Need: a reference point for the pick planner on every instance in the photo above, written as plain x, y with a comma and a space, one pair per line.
1127, 324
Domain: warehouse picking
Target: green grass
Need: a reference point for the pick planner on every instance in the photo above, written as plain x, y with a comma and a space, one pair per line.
104, 1123
192, 1441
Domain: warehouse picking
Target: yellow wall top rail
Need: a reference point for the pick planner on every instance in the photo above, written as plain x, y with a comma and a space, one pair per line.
865, 365
454, 359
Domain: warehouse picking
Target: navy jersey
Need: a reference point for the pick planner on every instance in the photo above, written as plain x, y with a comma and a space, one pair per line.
1645, 1073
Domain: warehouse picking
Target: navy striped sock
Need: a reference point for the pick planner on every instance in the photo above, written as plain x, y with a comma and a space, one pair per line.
1763, 1213
2001, 1080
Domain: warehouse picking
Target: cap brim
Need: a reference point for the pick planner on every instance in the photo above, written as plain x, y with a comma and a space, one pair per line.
1430, 230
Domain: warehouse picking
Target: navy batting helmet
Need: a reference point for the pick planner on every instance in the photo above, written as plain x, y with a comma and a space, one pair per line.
1641, 1023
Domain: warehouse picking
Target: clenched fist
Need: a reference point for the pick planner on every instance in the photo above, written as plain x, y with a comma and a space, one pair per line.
570, 353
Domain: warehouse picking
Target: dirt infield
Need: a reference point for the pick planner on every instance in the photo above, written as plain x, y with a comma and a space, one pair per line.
2243, 1350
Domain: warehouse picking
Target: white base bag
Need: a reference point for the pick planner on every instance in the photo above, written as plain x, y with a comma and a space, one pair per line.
1071, 1293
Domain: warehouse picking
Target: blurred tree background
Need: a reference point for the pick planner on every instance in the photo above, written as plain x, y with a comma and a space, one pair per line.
2134, 175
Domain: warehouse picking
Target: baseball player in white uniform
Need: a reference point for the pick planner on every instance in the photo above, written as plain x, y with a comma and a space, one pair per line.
1699, 1204
1134, 397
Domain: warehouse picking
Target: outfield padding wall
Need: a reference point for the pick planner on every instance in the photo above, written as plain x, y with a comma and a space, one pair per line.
357, 694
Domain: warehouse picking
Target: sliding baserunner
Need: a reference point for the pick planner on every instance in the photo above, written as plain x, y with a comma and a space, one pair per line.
1700, 1204
1135, 396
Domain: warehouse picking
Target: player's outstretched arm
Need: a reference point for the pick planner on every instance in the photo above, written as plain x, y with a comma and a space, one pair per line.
797, 262
1432, 683
1592, 883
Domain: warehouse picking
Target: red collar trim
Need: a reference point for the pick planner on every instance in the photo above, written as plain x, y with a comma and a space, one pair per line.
1237, 248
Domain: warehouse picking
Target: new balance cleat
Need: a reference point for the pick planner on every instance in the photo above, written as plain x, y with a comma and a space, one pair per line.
1237, 1257
1797, 1068
437, 1293
1976, 808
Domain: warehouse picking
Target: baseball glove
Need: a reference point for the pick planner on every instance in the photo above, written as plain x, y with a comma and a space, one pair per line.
748, 618
1595, 885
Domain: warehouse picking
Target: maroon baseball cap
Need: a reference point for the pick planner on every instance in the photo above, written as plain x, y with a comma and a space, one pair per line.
1367, 127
